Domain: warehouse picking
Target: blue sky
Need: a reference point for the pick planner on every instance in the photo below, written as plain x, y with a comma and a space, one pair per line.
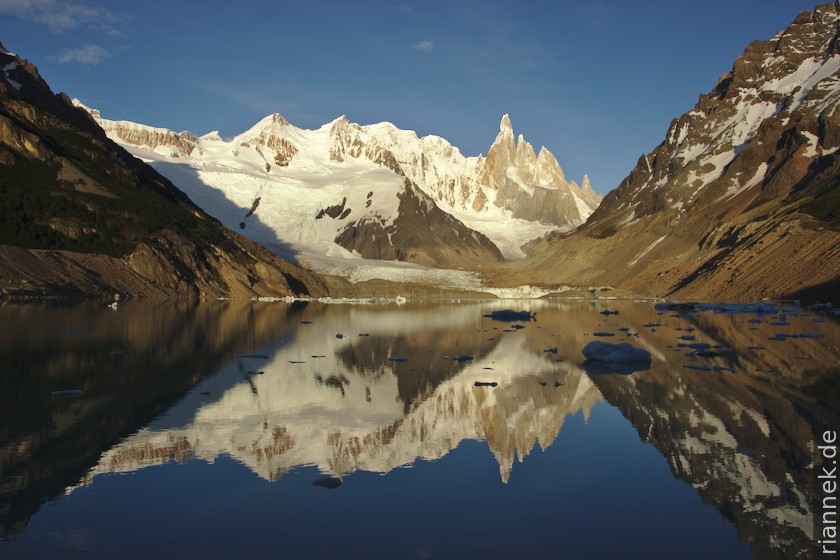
595, 81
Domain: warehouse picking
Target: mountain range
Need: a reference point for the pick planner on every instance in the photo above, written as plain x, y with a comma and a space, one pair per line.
742, 186
351, 191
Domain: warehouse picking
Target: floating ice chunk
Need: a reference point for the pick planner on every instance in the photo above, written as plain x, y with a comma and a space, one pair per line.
510, 316
621, 352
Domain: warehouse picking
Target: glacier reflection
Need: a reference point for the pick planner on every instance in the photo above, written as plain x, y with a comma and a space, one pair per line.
333, 399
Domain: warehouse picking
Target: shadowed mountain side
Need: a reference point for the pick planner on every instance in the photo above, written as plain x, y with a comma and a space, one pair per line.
171, 266
227, 212
824, 291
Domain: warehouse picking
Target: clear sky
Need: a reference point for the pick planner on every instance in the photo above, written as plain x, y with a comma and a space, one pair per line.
595, 81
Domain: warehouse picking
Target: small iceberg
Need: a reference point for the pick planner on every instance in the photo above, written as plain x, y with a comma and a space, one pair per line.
621, 352
623, 358
511, 316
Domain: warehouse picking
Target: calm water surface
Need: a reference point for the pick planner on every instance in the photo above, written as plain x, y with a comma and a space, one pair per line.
374, 431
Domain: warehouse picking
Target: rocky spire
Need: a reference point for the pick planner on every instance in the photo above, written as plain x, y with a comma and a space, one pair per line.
500, 156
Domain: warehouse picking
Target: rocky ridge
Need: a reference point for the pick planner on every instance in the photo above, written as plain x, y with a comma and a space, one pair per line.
743, 184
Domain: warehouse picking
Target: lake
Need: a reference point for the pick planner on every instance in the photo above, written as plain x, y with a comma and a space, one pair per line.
423, 430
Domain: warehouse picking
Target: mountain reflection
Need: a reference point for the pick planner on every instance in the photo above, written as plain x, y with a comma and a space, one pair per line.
731, 399
333, 399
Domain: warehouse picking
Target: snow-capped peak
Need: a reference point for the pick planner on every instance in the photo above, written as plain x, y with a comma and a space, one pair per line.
212, 136
273, 124
505, 126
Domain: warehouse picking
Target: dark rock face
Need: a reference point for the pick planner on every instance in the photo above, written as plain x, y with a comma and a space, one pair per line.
333, 211
85, 218
422, 233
